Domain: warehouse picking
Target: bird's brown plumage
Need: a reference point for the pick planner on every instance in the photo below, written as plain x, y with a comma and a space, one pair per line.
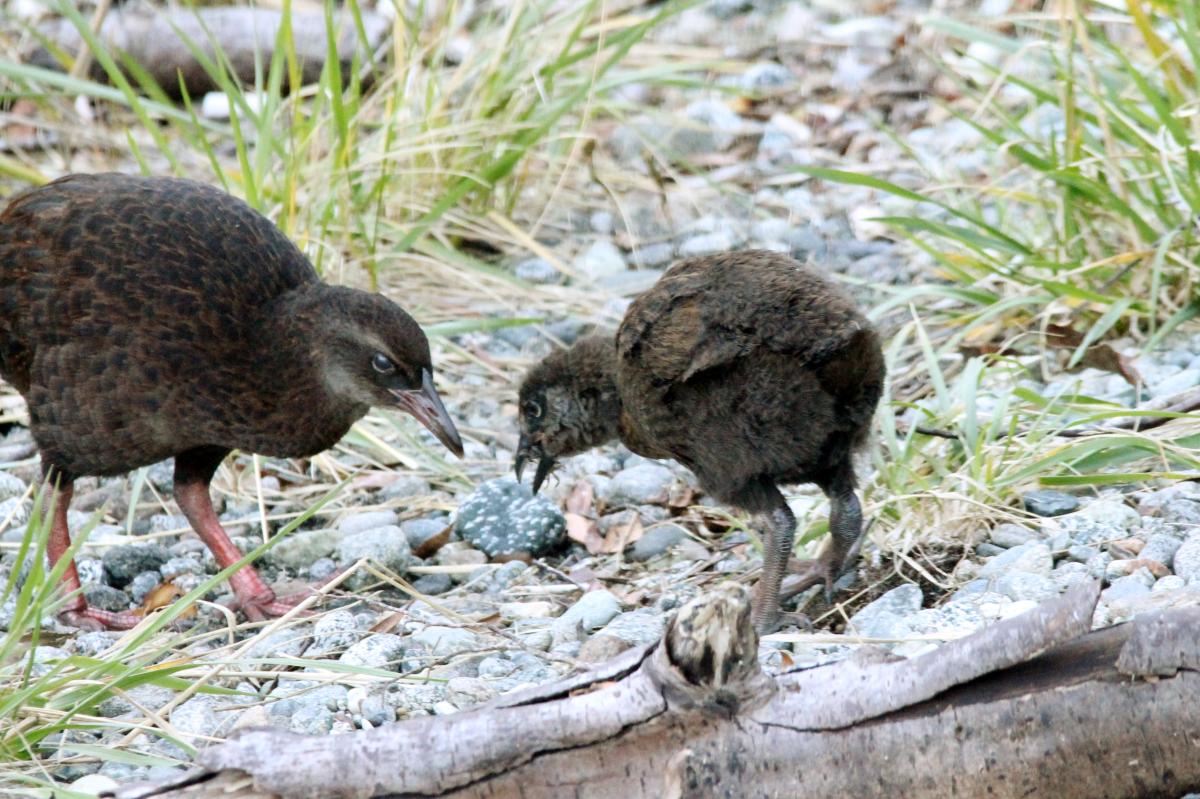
146, 318
748, 368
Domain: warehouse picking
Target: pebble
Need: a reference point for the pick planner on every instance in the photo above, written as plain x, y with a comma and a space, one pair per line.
419, 531
591, 611
765, 75
707, 244
1033, 557
321, 568
143, 584
643, 484
334, 631
656, 541
303, 547
885, 616
377, 651
1019, 585
384, 546
198, 717
91, 570
123, 563
11, 487
433, 584
106, 598
602, 259
1045, 502
713, 127
1011, 535
537, 270
654, 255
445, 641
404, 487
504, 517
371, 520
1130, 587
1186, 562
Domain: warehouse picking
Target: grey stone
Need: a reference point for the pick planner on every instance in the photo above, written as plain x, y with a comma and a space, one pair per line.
303, 548
16, 510
766, 75
301, 714
287, 642
198, 716
1033, 557
334, 632
1177, 383
1011, 535
408, 485
371, 520
321, 568
1045, 502
602, 259
372, 705
1172, 582
91, 644
419, 531
106, 598
986, 550
385, 546
142, 585
1124, 588
1161, 548
378, 651
636, 627
91, 571
656, 541
1186, 562
591, 611
433, 584
504, 517
181, 565
123, 563
11, 486
537, 270
1024, 585
602, 222
712, 127
1069, 573
630, 284
654, 255
1097, 565
1183, 514
1111, 512
445, 641
884, 617
167, 522
643, 484
707, 244
464, 692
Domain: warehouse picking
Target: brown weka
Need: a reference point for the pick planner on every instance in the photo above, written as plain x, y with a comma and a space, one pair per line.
148, 318
751, 370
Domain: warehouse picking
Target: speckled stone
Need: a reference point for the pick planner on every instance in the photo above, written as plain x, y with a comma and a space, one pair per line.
503, 516
1049, 503
124, 563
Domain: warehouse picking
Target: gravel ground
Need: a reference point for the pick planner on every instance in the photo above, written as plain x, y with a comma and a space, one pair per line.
475, 587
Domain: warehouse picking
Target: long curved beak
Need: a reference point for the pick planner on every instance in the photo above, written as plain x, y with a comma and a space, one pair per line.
426, 407
525, 453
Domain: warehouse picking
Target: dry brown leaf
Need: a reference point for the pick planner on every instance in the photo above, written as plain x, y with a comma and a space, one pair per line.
682, 496
583, 530
162, 595
431, 545
388, 622
581, 498
620, 536
1097, 356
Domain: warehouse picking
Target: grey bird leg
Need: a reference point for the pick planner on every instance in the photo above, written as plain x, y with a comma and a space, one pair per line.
779, 534
845, 528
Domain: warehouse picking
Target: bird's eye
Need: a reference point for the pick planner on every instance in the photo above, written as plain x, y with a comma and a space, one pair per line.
382, 363
532, 409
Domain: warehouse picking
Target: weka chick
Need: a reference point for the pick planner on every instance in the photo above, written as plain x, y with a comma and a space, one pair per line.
147, 318
749, 369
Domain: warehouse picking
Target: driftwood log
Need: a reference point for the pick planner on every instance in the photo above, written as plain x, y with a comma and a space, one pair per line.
158, 40
1034, 706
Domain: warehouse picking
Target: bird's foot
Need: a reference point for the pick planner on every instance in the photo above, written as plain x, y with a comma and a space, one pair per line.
90, 619
766, 623
825, 569
263, 604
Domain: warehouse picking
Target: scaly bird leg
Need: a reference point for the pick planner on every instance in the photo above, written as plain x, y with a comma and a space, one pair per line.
845, 527
77, 612
778, 537
193, 472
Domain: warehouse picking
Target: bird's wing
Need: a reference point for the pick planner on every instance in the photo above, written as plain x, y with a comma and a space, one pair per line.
696, 319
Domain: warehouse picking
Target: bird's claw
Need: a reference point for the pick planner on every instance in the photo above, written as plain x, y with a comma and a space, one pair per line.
91, 619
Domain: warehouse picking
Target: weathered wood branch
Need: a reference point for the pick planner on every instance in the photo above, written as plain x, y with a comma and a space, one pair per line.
158, 40
1032, 706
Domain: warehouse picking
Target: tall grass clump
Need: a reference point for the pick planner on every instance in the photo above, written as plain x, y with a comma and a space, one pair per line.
1085, 217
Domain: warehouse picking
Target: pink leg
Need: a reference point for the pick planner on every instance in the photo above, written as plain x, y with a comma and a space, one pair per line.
77, 612
193, 471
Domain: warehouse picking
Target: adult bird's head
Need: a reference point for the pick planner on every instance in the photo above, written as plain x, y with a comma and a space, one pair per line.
568, 403
372, 353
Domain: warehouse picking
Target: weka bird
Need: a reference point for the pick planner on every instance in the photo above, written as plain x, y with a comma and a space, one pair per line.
145, 318
749, 369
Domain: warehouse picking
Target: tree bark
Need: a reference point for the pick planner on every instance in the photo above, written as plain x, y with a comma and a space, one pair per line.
1032, 706
158, 40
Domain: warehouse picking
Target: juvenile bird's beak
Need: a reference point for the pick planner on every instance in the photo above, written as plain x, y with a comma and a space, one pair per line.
426, 407
526, 452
